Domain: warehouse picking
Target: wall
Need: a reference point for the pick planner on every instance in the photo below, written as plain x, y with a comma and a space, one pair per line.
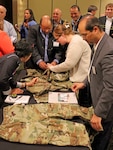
84, 6
103, 4
40, 8
18, 10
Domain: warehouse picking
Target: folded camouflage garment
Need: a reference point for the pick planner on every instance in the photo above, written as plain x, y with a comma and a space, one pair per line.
46, 124
47, 81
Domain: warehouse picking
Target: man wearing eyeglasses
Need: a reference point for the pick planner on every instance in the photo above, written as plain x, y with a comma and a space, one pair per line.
100, 79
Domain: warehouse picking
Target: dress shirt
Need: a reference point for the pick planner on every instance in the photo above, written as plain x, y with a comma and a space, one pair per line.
45, 36
90, 67
9, 29
108, 25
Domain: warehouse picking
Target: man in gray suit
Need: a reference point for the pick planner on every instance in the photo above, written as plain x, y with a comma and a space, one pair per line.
100, 79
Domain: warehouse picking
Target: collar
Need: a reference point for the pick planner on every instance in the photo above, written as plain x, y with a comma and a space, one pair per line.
60, 22
109, 18
43, 34
96, 45
74, 22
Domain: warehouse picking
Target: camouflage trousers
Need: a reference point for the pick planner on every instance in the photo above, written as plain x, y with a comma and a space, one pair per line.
46, 124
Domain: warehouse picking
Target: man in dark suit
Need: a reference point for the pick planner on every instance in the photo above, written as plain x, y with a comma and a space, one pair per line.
100, 79
107, 20
57, 17
46, 49
76, 16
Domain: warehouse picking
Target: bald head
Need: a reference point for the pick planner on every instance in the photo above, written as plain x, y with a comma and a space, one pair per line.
44, 18
3, 11
90, 29
3, 8
89, 22
57, 10
57, 13
46, 24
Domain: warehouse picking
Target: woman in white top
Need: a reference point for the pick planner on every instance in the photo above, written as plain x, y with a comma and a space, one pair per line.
78, 53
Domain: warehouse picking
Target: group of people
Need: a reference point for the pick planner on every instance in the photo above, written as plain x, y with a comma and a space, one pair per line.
61, 46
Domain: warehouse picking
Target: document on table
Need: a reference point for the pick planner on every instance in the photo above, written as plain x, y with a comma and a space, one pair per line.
62, 97
19, 99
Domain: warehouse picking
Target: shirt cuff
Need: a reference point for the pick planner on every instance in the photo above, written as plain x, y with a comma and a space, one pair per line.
56, 61
7, 92
39, 61
19, 84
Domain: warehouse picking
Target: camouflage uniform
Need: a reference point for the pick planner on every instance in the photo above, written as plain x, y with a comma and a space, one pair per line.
47, 81
46, 124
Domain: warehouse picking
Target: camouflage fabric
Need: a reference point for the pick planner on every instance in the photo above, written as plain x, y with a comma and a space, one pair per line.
46, 124
41, 98
47, 81
48, 75
52, 76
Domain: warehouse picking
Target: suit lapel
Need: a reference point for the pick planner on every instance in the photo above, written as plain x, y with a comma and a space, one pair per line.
104, 20
111, 30
101, 44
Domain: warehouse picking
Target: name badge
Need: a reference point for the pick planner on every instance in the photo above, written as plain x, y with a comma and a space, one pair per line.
56, 44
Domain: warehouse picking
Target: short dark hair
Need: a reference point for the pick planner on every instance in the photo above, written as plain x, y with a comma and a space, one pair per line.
109, 5
76, 6
92, 8
23, 48
92, 22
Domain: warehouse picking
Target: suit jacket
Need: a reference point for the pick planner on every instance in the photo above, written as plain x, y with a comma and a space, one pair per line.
103, 22
75, 26
35, 38
54, 25
101, 79
8, 66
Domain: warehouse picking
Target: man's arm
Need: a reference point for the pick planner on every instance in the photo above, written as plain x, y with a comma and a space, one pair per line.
33, 39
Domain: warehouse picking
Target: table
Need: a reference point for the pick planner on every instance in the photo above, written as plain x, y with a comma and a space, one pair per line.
5, 145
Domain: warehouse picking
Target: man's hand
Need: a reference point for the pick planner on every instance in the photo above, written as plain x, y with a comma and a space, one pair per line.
96, 123
32, 82
17, 91
43, 65
76, 86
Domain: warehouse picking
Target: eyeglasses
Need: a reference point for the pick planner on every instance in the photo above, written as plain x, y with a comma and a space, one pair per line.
85, 34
